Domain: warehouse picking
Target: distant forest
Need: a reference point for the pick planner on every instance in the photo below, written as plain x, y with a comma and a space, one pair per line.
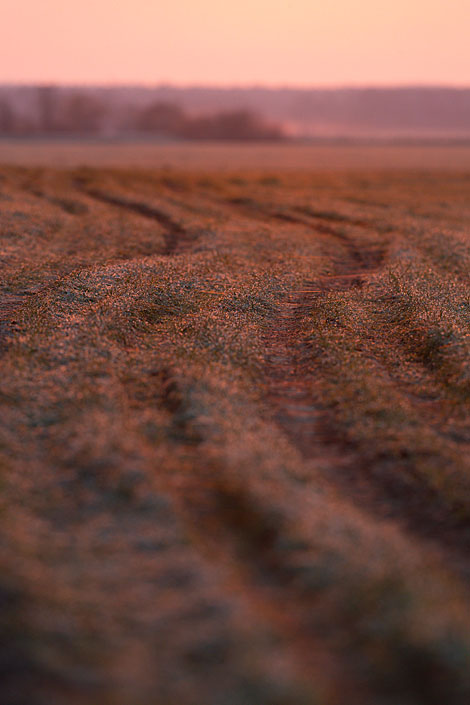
55, 111
201, 113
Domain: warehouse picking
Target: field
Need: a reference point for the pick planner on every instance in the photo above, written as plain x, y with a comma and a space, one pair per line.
229, 157
235, 438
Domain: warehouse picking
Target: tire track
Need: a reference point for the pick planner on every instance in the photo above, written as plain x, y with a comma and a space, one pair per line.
334, 217
294, 396
292, 390
324, 222
65, 204
257, 545
243, 534
177, 238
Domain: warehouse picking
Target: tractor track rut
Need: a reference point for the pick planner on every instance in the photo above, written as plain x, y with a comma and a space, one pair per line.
295, 399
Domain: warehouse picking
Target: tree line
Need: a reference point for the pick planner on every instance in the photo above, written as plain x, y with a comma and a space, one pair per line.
75, 112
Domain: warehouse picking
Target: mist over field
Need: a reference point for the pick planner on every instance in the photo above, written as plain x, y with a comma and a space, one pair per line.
257, 113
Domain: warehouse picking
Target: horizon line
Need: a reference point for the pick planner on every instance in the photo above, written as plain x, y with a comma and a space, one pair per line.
236, 86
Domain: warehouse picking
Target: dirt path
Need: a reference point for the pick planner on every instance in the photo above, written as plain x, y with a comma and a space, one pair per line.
295, 397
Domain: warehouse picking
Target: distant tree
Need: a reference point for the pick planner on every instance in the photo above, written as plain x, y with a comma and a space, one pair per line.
80, 113
160, 118
47, 101
240, 125
13, 123
8, 119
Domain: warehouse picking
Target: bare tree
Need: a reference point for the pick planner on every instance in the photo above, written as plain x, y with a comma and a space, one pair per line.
8, 120
238, 125
81, 113
160, 118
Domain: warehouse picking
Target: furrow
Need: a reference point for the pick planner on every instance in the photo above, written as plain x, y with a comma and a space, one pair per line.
177, 238
295, 397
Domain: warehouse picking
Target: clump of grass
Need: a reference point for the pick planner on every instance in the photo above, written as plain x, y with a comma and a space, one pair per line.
246, 304
161, 303
432, 344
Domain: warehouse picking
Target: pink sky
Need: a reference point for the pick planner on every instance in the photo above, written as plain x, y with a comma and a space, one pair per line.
300, 42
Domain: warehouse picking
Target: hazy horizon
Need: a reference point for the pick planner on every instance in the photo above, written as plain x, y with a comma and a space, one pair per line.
239, 86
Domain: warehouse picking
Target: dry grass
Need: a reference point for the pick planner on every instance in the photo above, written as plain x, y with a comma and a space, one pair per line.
228, 157
234, 442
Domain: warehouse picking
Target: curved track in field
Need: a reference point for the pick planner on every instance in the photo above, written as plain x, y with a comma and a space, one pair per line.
176, 238
295, 397
226, 566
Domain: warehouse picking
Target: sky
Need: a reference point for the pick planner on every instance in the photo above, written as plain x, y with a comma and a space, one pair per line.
236, 42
